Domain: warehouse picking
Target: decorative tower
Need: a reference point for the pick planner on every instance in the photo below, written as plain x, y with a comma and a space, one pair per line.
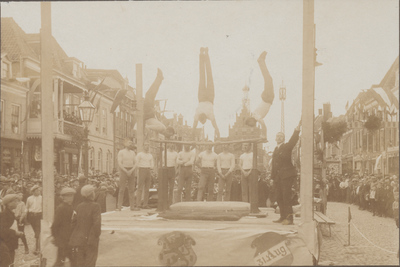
282, 98
246, 98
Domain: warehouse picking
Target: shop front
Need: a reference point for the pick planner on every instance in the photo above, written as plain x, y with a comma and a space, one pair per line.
11, 157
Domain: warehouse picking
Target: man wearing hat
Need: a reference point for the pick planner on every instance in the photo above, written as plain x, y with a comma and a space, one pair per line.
8, 236
61, 229
34, 211
86, 229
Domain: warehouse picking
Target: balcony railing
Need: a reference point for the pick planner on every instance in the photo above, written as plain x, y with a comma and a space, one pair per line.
60, 126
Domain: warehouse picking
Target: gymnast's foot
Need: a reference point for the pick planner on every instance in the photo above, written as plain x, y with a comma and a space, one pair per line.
201, 50
160, 74
261, 58
206, 50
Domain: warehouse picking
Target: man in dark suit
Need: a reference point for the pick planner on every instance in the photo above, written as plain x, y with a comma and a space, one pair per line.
8, 236
61, 229
87, 229
284, 174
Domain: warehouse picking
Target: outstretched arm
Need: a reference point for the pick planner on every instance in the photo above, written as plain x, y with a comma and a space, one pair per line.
263, 128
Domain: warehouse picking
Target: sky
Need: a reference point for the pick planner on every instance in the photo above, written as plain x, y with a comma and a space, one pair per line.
357, 42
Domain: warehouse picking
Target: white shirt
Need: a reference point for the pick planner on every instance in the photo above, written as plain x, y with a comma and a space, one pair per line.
247, 160
208, 159
186, 158
207, 108
34, 204
126, 158
144, 160
262, 110
226, 161
171, 158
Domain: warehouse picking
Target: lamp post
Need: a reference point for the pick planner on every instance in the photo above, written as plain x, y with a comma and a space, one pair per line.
86, 110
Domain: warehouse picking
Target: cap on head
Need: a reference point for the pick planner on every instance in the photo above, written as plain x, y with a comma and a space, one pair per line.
9, 198
87, 190
67, 191
81, 178
35, 187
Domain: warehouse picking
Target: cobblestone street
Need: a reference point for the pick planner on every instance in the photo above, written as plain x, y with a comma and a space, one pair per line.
380, 231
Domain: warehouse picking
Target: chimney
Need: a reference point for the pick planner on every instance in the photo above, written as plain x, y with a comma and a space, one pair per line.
180, 119
185, 122
327, 111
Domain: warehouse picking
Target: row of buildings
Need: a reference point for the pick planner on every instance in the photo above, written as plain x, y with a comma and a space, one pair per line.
360, 150
21, 135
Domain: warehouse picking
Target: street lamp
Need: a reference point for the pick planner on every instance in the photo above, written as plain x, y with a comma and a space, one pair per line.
86, 110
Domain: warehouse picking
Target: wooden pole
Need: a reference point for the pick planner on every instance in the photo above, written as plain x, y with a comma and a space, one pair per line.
348, 226
307, 136
46, 75
253, 183
139, 112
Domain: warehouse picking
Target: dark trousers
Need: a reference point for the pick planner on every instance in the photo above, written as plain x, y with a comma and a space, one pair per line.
86, 255
206, 91
171, 183
21, 228
207, 177
148, 104
268, 94
62, 253
34, 219
284, 196
185, 180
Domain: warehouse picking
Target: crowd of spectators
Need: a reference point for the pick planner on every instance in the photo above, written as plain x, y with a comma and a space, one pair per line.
374, 193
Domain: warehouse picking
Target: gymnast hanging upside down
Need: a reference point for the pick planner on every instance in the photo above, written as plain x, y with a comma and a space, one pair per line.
205, 109
151, 122
267, 97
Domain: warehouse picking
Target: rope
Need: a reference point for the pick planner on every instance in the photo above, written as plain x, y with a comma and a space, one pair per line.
371, 242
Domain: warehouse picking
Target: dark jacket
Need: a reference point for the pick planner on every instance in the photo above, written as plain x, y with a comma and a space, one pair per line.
87, 225
78, 198
101, 195
61, 229
7, 235
282, 166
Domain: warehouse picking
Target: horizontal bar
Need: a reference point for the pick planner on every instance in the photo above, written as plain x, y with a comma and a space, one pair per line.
254, 140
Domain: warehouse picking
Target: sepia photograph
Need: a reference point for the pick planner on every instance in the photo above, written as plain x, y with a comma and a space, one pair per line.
199, 133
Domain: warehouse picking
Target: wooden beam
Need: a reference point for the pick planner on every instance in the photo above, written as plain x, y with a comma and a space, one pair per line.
139, 112
255, 140
307, 136
46, 76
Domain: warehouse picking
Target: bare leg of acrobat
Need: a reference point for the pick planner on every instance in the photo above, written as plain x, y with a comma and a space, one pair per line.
267, 98
150, 119
205, 109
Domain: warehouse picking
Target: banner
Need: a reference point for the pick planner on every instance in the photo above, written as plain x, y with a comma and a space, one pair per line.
199, 243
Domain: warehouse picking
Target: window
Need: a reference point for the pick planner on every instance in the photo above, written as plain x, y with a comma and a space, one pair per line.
5, 69
104, 124
99, 161
15, 118
76, 103
97, 120
2, 115
91, 156
109, 162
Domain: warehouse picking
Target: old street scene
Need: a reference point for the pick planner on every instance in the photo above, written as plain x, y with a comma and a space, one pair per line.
199, 133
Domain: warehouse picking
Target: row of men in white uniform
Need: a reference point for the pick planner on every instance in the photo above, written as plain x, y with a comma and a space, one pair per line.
183, 162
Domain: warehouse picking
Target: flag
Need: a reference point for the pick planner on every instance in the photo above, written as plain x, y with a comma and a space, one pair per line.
380, 96
29, 97
118, 99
